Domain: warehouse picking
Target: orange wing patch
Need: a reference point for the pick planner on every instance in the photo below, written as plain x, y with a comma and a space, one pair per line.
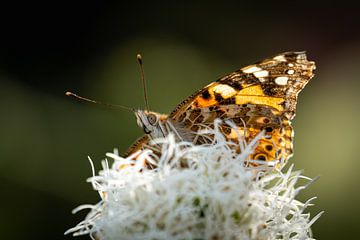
214, 95
276, 145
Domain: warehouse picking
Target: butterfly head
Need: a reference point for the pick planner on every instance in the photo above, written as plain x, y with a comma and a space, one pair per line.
151, 122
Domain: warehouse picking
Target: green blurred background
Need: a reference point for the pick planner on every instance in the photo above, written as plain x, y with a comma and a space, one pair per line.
90, 48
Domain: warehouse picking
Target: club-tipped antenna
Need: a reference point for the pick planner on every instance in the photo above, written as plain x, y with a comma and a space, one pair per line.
139, 59
80, 98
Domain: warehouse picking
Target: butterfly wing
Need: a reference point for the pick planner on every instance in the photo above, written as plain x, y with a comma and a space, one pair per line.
273, 82
258, 97
139, 144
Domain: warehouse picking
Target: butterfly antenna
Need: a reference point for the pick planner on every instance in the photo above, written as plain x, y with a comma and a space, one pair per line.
80, 98
139, 59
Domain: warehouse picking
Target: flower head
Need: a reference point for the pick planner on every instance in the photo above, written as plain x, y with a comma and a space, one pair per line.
196, 192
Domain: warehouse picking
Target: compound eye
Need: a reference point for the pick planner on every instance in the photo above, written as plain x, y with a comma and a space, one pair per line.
152, 119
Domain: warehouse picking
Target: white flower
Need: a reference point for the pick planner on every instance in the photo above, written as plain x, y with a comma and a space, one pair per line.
214, 197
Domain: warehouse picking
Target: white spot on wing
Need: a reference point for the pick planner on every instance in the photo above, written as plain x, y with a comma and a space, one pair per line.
225, 90
290, 65
261, 74
291, 71
280, 58
251, 69
301, 56
281, 80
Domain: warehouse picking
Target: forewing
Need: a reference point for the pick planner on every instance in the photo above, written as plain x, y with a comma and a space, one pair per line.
273, 82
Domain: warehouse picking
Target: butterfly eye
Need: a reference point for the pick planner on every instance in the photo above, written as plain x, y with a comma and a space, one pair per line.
152, 119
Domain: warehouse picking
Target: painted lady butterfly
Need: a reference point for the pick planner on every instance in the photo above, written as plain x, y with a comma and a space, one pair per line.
258, 97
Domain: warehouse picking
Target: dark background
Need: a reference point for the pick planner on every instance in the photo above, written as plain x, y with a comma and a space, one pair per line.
90, 48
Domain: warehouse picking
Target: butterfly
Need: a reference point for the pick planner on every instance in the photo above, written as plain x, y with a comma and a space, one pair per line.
259, 97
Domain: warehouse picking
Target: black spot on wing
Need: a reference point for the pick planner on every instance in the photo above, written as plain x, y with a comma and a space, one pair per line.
268, 129
229, 101
205, 94
235, 84
218, 97
260, 157
268, 147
